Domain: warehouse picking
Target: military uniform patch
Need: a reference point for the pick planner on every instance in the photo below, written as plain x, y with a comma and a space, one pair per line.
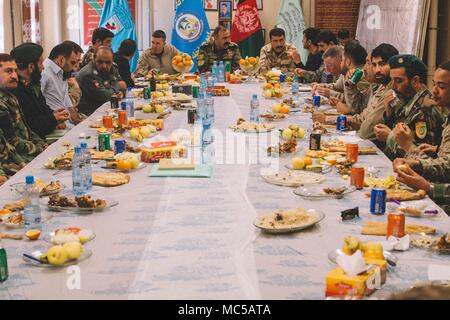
421, 130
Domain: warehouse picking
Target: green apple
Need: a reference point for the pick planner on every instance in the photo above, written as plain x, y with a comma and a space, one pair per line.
287, 134
300, 133
298, 164
276, 108
159, 109
57, 256
73, 250
147, 108
134, 162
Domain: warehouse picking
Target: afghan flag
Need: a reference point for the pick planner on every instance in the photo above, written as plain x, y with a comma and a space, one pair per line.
247, 29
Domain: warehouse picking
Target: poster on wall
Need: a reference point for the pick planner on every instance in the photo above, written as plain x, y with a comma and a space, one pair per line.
31, 31
92, 13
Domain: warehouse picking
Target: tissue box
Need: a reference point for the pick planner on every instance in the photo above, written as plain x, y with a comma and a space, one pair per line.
159, 123
182, 88
338, 283
155, 154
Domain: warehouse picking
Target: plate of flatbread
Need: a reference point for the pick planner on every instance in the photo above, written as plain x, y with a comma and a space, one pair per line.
377, 228
252, 127
287, 221
109, 179
294, 179
403, 195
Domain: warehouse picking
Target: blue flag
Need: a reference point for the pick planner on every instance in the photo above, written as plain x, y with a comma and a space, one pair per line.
117, 18
191, 28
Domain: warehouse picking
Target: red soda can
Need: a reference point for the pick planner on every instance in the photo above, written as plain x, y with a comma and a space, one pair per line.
352, 152
357, 178
123, 118
396, 225
108, 122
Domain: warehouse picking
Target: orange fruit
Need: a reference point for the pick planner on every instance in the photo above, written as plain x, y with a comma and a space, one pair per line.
252, 60
33, 234
187, 58
308, 161
174, 62
285, 110
242, 61
124, 165
187, 63
5, 212
180, 65
178, 59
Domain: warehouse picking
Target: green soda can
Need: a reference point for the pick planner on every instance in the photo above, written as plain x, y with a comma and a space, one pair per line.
104, 142
227, 66
195, 91
357, 75
3, 265
147, 93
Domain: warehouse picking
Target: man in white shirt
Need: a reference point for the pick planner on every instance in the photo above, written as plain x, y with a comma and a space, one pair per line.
62, 61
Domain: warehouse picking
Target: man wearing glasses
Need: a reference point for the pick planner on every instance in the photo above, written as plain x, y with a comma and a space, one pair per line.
99, 81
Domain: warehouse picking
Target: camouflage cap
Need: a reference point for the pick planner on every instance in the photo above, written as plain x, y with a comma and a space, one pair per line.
27, 53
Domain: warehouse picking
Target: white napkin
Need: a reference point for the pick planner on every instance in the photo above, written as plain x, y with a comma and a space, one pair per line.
394, 243
276, 72
352, 265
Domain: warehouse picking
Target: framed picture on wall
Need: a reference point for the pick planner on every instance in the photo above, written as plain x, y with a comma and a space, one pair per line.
210, 5
225, 10
259, 4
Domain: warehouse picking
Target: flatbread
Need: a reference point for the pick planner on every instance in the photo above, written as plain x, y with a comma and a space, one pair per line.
294, 179
403, 195
110, 179
102, 155
322, 153
287, 219
253, 127
375, 228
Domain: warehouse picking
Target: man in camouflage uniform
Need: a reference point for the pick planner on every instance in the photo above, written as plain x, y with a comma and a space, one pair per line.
10, 162
279, 54
25, 143
99, 81
433, 162
101, 37
219, 48
354, 58
424, 120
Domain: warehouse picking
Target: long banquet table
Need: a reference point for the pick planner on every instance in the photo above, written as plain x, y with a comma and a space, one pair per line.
183, 238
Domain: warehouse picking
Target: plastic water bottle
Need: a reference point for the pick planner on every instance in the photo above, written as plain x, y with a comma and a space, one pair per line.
86, 155
215, 71
210, 106
206, 124
3, 264
221, 72
79, 187
32, 210
295, 87
130, 103
203, 84
254, 109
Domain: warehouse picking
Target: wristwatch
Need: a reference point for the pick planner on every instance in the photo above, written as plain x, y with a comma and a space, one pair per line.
431, 192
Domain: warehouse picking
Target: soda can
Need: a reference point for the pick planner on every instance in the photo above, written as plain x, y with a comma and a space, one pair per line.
123, 105
195, 91
396, 225
108, 122
123, 118
357, 75
192, 116
357, 178
147, 93
120, 146
114, 102
3, 265
104, 142
341, 123
314, 142
352, 152
378, 201
282, 78
316, 101
227, 66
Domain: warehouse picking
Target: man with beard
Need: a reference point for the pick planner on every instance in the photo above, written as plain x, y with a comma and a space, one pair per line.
158, 58
38, 115
219, 48
98, 82
325, 40
414, 108
433, 162
279, 54
24, 145
354, 58
101, 37
61, 63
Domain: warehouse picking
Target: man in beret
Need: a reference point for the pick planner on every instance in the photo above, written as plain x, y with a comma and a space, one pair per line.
99, 82
24, 144
409, 104
38, 115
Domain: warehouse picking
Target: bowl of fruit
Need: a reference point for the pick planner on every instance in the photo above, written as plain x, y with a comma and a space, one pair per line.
182, 63
250, 66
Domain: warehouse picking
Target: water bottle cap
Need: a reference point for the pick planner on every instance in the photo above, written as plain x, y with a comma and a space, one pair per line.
77, 150
255, 97
296, 78
83, 146
209, 94
201, 95
29, 180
